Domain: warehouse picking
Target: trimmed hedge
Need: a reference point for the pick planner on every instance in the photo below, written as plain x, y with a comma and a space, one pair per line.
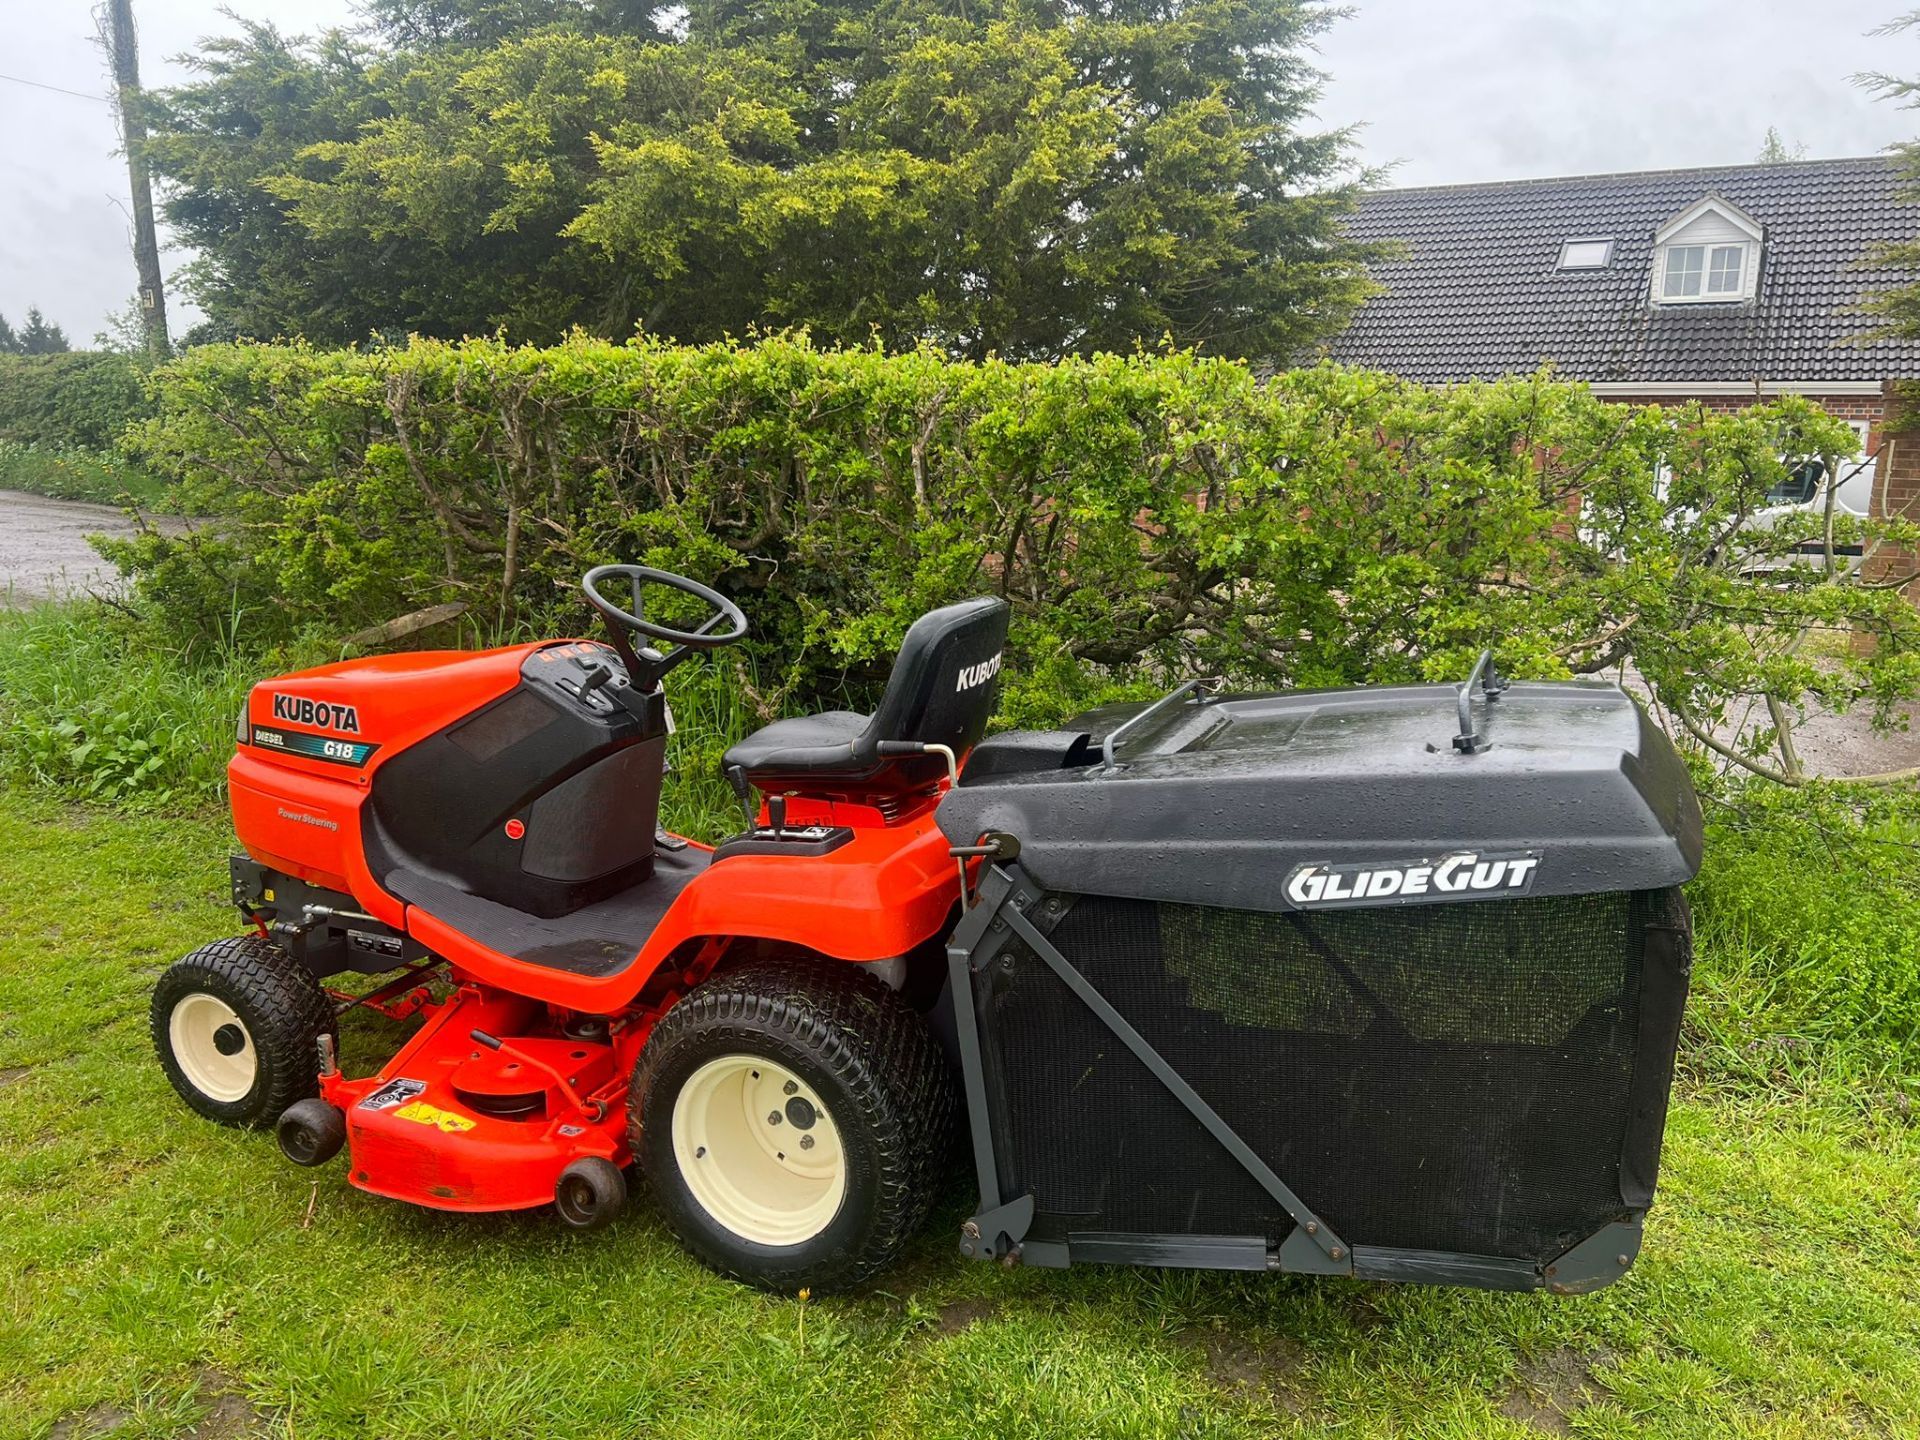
81, 400
1148, 516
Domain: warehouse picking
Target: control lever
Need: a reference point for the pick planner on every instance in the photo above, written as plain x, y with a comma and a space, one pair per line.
743, 792
777, 813
891, 749
597, 675
563, 1087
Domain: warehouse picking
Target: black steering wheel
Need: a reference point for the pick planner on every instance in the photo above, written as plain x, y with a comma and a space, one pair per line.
645, 668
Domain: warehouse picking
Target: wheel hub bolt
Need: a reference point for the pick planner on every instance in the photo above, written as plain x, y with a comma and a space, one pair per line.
773, 1117
806, 1142
790, 1087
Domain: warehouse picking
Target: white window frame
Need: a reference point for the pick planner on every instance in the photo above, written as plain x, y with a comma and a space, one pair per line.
1667, 240
1715, 269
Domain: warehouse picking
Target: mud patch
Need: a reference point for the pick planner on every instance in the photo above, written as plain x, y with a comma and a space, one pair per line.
1553, 1388
1272, 1370
959, 1314
13, 1074
102, 1419
230, 1414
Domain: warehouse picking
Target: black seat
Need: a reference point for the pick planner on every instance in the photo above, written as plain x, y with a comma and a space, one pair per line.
941, 692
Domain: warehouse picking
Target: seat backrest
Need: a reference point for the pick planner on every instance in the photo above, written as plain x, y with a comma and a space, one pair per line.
944, 681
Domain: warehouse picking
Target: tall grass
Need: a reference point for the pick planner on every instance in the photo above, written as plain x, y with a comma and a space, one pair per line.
92, 709
92, 706
711, 709
98, 476
1807, 916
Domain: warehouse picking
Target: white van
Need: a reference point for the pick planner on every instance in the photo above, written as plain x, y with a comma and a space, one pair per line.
1805, 490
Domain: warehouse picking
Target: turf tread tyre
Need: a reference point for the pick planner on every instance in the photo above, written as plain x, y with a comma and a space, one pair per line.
285, 1011
896, 1085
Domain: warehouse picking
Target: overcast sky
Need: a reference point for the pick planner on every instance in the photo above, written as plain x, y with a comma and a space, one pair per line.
1448, 91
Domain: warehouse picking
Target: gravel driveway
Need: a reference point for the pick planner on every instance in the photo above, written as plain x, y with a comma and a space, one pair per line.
43, 547
1847, 745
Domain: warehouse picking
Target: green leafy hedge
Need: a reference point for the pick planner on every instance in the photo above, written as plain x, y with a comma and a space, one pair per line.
1148, 516
81, 400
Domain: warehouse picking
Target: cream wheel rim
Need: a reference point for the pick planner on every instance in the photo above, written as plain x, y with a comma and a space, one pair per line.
212, 1047
758, 1150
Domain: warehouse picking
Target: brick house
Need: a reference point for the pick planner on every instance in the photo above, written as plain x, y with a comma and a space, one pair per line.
1716, 285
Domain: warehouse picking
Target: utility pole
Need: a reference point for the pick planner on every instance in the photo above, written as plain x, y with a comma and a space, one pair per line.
124, 49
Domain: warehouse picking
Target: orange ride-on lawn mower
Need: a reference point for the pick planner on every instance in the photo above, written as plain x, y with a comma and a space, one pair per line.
1380, 982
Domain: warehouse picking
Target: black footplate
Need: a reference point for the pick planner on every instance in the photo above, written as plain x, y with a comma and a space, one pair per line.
796, 840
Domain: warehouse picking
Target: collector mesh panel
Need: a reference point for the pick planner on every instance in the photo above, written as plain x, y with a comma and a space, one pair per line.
1439, 1077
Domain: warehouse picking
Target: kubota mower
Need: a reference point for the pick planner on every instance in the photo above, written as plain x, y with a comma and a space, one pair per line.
1382, 982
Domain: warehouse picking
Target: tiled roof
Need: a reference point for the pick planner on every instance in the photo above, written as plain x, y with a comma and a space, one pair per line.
1477, 292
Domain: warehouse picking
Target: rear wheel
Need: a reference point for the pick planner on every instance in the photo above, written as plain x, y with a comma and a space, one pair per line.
236, 1025
792, 1118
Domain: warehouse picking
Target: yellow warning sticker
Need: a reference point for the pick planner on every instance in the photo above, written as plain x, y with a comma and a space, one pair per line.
421, 1113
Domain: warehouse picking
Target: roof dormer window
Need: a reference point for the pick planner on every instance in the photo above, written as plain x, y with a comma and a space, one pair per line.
1708, 253
1704, 272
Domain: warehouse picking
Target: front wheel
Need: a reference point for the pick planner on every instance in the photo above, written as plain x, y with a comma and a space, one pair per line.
792, 1118
236, 1025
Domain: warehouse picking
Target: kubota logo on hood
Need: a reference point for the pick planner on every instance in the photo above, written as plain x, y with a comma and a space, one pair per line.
1465, 875
298, 710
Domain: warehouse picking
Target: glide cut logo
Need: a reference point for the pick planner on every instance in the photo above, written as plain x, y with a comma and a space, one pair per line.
1464, 875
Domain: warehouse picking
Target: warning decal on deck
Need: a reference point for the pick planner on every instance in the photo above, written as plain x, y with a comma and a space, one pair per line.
394, 1092
421, 1113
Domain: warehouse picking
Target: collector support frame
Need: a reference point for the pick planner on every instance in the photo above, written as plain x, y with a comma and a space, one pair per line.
1009, 907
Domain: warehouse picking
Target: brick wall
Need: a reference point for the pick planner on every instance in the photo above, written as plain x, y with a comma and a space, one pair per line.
1896, 491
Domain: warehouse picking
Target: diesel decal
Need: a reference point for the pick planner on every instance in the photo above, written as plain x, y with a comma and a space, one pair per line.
1464, 875
302, 711
972, 676
314, 747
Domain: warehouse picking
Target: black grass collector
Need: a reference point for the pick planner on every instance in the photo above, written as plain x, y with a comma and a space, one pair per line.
1302, 982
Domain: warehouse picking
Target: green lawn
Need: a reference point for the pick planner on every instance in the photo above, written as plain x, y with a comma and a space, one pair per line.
163, 1276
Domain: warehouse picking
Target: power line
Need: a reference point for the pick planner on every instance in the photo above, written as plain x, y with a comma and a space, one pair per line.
77, 94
